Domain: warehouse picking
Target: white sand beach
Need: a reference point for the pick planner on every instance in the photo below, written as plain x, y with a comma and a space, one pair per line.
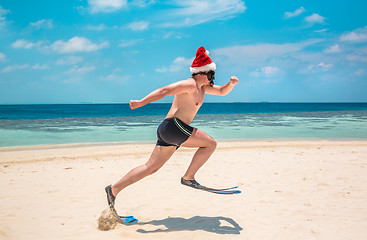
302, 189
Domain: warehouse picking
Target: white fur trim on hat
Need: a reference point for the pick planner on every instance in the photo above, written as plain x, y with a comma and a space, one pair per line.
204, 68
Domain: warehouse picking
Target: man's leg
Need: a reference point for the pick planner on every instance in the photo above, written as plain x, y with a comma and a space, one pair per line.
158, 158
206, 145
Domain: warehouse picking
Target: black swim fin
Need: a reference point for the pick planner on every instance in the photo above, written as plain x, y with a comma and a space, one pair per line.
195, 184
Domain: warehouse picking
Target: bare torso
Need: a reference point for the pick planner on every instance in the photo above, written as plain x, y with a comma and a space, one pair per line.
186, 105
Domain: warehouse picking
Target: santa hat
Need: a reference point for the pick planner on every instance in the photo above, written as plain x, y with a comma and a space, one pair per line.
202, 62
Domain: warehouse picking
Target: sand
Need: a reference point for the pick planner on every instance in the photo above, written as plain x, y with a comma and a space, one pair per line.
303, 189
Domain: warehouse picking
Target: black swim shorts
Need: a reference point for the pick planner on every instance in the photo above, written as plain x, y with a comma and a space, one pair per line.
173, 132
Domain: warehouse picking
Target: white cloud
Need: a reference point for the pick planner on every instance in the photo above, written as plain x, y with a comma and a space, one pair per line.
40, 67
44, 23
314, 68
2, 57
333, 49
173, 34
295, 13
360, 72
15, 68
324, 66
71, 60
3, 21
321, 30
79, 70
129, 43
77, 44
315, 18
99, 27
179, 64
356, 58
97, 6
358, 35
21, 43
268, 71
194, 12
256, 54
115, 78
3, 12
142, 3
138, 25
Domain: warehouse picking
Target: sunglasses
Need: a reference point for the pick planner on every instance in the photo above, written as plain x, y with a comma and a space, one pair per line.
210, 76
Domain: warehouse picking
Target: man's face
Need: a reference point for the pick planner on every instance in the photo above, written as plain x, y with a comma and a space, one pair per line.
210, 77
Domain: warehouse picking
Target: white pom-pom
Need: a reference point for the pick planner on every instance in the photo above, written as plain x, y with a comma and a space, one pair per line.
207, 52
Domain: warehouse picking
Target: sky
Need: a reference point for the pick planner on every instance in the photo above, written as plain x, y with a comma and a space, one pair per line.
111, 51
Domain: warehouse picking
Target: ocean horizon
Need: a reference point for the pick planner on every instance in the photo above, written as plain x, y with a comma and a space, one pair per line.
43, 124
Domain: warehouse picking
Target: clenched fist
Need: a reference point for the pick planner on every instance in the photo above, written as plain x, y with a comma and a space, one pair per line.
234, 80
134, 104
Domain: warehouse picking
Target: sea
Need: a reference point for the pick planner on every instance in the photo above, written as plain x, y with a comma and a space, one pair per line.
44, 124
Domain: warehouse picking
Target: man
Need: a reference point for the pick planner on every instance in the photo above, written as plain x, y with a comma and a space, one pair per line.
175, 130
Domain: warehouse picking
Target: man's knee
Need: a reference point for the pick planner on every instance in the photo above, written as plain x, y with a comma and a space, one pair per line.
212, 144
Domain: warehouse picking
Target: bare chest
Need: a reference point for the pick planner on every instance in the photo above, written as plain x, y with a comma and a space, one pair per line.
198, 97
189, 102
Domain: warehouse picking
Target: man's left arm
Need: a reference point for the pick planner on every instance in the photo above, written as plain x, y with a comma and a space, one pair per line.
222, 90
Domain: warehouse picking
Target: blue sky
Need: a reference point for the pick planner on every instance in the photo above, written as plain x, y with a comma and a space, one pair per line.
108, 51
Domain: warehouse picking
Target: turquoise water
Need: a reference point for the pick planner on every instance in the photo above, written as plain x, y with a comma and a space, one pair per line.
39, 124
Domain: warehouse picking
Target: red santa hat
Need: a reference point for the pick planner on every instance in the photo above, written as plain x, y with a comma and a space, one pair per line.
202, 62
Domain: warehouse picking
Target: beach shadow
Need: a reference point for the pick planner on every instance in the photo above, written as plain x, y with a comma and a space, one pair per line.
219, 225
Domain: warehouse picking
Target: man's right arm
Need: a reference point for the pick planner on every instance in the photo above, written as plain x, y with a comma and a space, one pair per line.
172, 89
